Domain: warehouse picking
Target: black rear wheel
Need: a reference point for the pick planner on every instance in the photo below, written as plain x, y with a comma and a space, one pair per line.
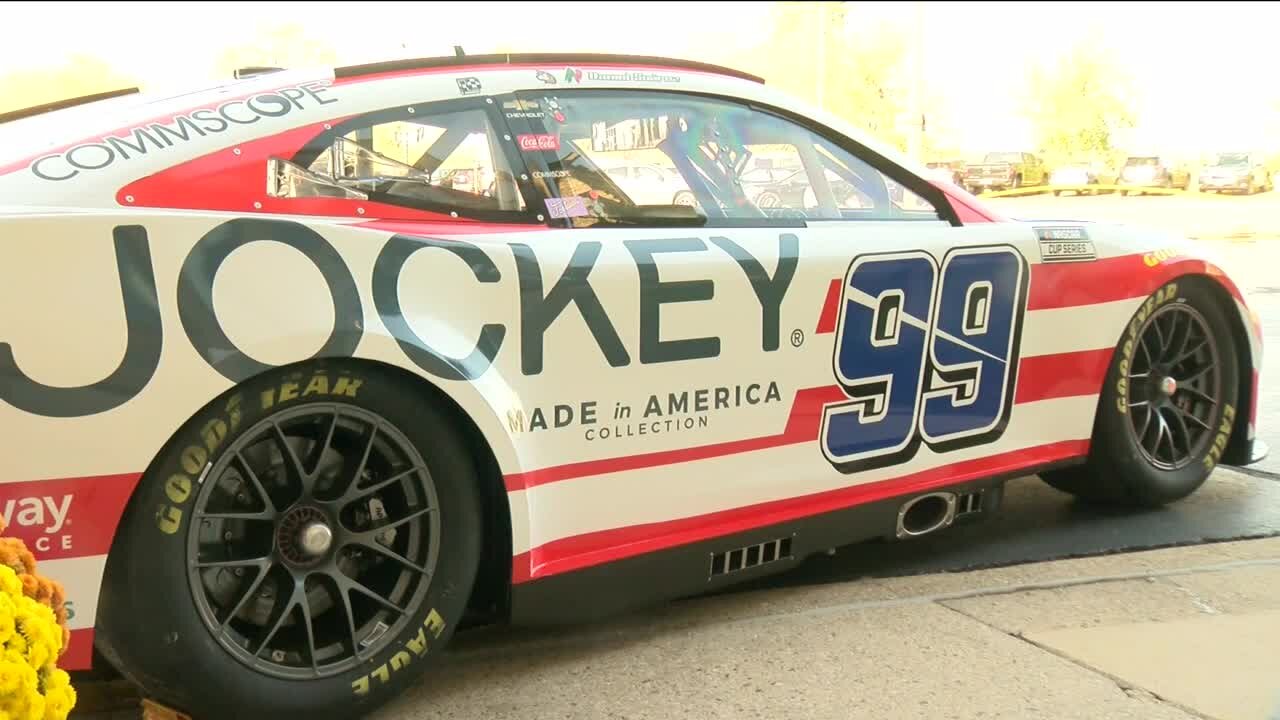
306, 545
1168, 406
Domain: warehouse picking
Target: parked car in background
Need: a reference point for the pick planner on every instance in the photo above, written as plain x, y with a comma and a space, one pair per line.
1078, 174
951, 171
1236, 172
649, 184
1153, 171
1001, 170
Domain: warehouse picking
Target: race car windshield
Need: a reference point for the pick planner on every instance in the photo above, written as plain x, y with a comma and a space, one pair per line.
1004, 157
1232, 159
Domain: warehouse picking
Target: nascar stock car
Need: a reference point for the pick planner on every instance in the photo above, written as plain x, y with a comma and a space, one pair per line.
301, 372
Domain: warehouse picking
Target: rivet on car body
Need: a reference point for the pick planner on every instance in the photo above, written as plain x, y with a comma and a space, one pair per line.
128, 198
412, 111
257, 205
359, 211
489, 100
506, 137
523, 176
327, 126
236, 151
540, 218
453, 213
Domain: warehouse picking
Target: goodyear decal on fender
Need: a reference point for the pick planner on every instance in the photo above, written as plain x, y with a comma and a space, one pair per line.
1065, 244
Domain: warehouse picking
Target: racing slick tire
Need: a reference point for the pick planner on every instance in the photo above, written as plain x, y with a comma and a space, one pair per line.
304, 546
1168, 405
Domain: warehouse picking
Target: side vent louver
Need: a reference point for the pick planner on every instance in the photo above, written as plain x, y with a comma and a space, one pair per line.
969, 503
749, 557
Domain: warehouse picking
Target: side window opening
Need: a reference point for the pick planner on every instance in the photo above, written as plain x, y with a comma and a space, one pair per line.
623, 158
448, 160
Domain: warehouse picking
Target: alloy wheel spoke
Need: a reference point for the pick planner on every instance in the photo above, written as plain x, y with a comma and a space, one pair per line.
1192, 416
385, 551
1164, 430
1146, 424
294, 601
348, 584
264, 569
293, 466
355, 493
319, 450
353, 478
1198, 393
257, 561
257, 483
1186, 434
368, 536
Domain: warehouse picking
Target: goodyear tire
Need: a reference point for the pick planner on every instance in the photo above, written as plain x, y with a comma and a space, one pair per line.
303, 547
1168, 406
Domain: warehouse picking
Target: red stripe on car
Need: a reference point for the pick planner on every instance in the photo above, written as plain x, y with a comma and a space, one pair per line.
1043, 377
597, 548
79, 652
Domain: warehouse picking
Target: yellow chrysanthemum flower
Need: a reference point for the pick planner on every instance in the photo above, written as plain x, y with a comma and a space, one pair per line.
9, 582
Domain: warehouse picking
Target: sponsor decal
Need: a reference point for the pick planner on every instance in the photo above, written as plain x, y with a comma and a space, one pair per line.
925, 353
45, 515
545, 77
540, 305
538, 142
1065, 244
1159, 257
572, 206
152, 137
660, 413
527, 114
550, 173
554, 106
572, 75
469, 85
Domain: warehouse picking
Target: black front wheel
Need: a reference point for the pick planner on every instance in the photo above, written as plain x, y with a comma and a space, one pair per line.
1169, 403
305, 546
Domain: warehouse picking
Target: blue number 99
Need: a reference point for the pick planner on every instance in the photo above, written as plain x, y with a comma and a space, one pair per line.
924, 354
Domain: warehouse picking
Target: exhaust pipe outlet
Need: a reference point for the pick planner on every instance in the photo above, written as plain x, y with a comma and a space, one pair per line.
926, 513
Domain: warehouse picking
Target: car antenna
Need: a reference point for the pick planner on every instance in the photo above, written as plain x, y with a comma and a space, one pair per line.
457, 51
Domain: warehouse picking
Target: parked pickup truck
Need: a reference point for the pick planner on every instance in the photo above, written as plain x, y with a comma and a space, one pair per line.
1002, 170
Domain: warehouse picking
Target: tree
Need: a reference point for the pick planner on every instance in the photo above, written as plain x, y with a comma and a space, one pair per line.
1079, 105
280, 46
851, 66
79, 75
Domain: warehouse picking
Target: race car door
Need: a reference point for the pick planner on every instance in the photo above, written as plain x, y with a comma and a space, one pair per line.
796, 315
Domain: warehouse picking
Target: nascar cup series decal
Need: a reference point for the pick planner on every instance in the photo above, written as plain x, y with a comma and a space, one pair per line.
1065, 244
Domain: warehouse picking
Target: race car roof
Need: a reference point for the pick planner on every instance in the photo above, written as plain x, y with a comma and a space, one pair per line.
538, 59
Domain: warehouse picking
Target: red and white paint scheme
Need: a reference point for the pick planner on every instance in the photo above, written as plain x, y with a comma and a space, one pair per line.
664, 389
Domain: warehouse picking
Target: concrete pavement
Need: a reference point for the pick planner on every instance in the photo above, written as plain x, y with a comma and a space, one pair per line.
1190, 632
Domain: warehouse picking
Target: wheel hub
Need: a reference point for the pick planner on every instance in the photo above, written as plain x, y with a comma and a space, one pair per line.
1168, 386
304, 535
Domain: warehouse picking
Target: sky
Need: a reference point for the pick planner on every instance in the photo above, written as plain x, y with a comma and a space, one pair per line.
1203, 72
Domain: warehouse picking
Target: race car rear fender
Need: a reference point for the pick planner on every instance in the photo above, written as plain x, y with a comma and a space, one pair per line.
1169, 265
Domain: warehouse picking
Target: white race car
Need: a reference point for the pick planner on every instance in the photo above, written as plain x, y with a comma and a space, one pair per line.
297, 371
